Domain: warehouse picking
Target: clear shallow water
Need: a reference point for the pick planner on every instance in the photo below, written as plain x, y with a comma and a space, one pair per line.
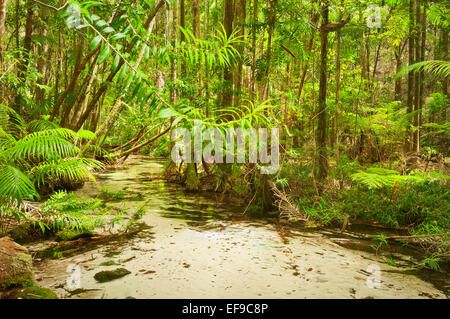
196, 247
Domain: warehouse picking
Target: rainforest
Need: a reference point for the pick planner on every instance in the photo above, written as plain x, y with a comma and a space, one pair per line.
339, 187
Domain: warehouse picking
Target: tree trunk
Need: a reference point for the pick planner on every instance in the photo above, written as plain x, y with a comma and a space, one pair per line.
265, 94
2, 29
227, 94
255, 19
321, 134
398, 81
23, 67
334, 139
411, 59
417, 81
240, 13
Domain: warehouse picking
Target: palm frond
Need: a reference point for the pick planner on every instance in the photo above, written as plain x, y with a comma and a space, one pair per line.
43, 147
67, 169
15, 185
440, 69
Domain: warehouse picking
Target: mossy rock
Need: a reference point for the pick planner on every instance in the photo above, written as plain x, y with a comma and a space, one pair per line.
72, 234
109, 263
16, 268
27, 232
108, 275
34, 292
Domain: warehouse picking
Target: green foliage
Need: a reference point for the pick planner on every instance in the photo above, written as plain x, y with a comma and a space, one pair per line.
46, 157
66, 211
432, 262
136, 217
440, 69
377, 178
380, 240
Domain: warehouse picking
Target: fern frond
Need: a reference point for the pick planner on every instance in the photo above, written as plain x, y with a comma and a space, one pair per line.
440, 69
15, 185
40, 125
68, 169
43, 147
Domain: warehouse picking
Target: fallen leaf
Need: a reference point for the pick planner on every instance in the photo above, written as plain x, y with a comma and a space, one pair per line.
149, 272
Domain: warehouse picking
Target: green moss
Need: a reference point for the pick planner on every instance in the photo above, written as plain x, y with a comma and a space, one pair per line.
109, 263
72, 234
21, 280
112, 254
52, 252
27, 232
105, 276
192, 181
36, 293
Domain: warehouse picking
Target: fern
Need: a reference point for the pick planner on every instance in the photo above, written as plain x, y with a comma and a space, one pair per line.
67, 169
377, 178
440, 69
45, 156
15, 185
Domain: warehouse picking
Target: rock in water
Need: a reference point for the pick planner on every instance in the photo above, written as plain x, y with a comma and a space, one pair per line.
108, 275
16, 268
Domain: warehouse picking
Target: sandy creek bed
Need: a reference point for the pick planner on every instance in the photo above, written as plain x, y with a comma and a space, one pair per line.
193, 250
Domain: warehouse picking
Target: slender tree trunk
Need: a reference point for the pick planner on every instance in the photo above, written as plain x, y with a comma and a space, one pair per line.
315, 19
182, 24
173, 66
196, 18
411, 60
422, 73
321, 134
272, 4
23, 67
227, 94
255, 19
334, 139
398, 81
417, 81
2, 30
240, 13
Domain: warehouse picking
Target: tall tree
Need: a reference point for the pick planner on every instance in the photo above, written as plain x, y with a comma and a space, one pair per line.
321, 161
411, 79
227, 21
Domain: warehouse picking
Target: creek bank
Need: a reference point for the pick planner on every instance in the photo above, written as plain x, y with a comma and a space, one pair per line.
34, 292
16, 267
